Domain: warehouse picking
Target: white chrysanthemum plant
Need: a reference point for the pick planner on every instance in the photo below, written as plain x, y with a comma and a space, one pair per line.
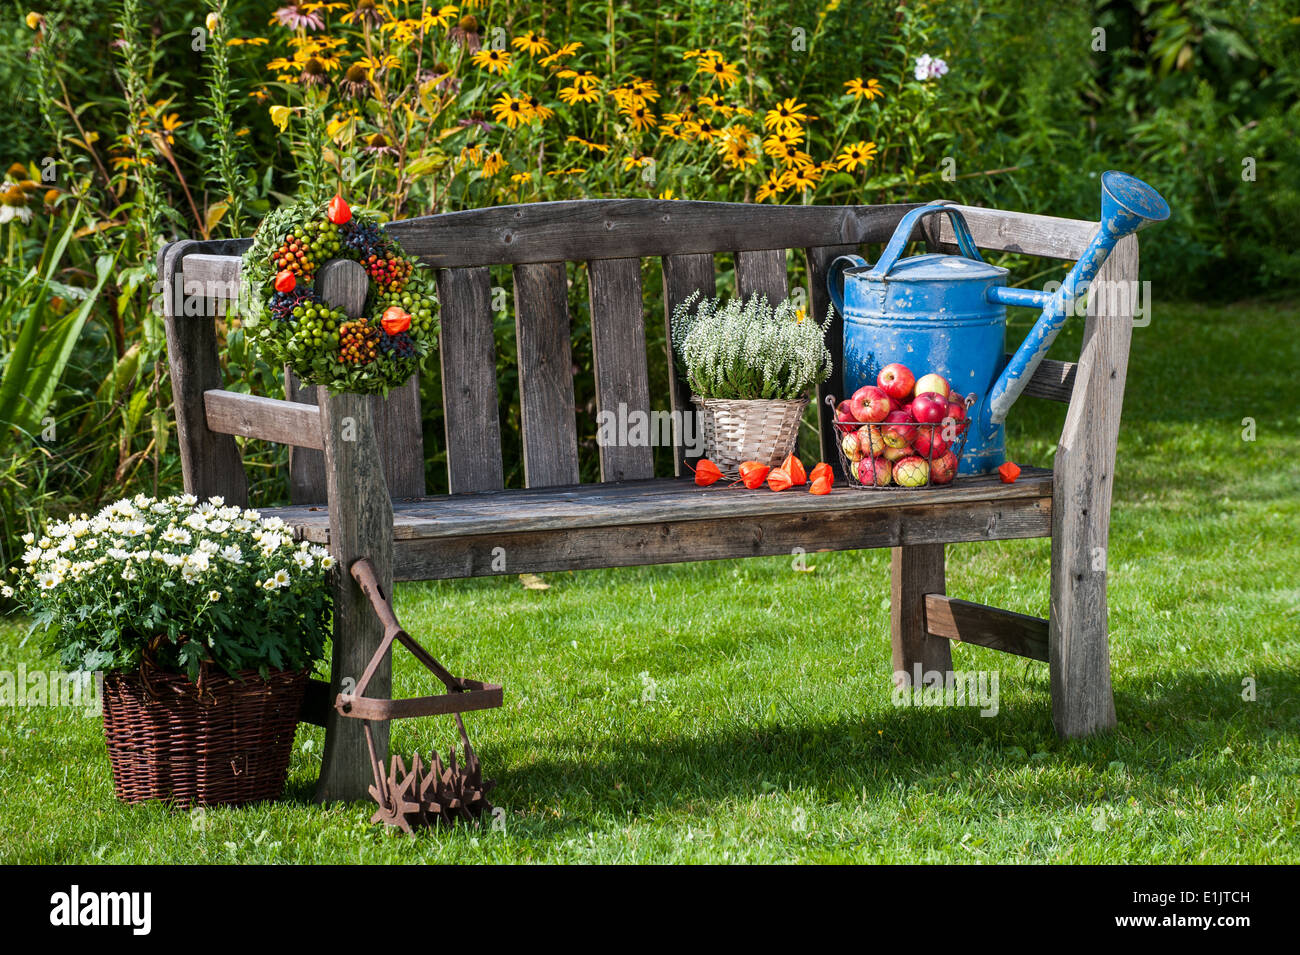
177, 583
748, 350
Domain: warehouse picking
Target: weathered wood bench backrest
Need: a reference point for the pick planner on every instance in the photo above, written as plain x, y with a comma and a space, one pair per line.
610, 237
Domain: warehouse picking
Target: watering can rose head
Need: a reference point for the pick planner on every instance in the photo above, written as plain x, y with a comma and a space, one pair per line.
948, 312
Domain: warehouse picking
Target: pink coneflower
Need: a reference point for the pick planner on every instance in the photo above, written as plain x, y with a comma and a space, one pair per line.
313, 74
441, 76
465, 33
366, 12
296, 18
378, 145
476, 119
355, 82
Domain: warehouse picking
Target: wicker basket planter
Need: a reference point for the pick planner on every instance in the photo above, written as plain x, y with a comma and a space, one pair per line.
760, 430
224, 742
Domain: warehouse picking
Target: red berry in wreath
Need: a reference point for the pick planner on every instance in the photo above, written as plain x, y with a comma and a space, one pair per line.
339, 211
285, 281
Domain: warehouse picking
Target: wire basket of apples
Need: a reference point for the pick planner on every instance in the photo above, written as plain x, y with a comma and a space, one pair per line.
903, 431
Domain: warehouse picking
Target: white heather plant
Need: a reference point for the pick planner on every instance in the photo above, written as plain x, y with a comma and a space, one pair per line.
748, 350
185, 580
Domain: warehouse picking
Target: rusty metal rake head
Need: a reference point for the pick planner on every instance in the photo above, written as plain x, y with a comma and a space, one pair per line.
422, 796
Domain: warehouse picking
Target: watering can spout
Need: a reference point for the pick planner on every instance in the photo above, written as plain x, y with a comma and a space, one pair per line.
1127, 204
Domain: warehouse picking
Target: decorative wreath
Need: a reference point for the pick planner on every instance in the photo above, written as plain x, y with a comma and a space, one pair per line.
291, 325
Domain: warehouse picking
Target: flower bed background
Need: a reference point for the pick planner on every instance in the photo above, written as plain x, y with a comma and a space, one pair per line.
174, 119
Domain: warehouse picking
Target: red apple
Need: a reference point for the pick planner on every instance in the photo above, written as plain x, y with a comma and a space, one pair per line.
871, 439
844, 419
899, 431
930, 442
943, 468
897, 454
932, 382
870, 403
878, 473
912, 472
929, 408
897, 381
852, 449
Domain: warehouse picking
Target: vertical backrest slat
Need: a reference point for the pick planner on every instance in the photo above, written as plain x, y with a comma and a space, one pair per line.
211, 463
684, 275
762, 273
622, 382
398, 430
819, 261
306, 465
469, 380
545, 374
400, 433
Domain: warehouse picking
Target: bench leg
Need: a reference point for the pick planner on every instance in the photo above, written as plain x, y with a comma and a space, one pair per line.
361, 525
917, 570
1078, 643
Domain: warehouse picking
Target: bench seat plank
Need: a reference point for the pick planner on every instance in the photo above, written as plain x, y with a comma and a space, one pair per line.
654, 502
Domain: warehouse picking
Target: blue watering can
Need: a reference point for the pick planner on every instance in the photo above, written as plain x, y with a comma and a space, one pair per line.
947, 313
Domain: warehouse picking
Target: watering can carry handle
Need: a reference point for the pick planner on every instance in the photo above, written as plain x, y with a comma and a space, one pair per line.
903, 234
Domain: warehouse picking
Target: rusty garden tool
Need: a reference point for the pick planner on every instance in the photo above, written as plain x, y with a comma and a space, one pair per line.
422, 796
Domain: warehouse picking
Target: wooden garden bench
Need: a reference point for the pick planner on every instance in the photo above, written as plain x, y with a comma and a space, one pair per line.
357, 464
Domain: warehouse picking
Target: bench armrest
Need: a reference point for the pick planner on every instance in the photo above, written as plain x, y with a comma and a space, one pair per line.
271, 419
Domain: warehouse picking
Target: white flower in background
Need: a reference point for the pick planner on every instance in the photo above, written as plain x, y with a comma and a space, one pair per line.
78, 528
118, 554
219, 526
58, 530
273, 523
232, 554
49, 580
209, 546
188, 500
196, 521
282, 578
172, 560
29, 538
217, 500
929, 68
32, 555
326, 562
269, 584
159, 507
198, 560
303, 560
176, 535
250, 515
6, 591
214, 595
129, 572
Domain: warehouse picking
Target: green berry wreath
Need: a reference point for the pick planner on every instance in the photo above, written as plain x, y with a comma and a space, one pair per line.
291, 325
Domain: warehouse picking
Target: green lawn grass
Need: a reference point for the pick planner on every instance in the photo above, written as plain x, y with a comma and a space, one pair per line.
772, 736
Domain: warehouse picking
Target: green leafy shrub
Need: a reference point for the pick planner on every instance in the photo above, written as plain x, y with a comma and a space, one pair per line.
178, 582
748, 349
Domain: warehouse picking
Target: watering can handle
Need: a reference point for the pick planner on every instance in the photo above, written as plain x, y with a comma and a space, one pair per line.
903, 234
835, 277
